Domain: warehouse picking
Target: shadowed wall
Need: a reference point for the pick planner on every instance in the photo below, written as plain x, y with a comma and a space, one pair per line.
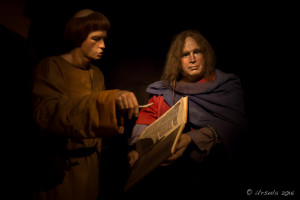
251, 41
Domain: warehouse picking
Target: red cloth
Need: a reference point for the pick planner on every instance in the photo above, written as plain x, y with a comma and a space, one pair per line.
150, 114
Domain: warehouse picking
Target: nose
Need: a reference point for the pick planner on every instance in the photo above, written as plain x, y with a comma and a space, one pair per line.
102, 44
192, 58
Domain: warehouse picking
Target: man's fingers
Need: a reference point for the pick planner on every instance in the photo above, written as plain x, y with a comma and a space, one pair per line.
127, 101
133, 156
119, 102
124, 101
135, 106
130, 106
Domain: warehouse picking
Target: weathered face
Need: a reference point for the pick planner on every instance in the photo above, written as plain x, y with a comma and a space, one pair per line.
192, 61
93, 46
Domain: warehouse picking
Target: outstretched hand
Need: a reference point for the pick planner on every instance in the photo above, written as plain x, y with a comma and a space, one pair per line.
126, 101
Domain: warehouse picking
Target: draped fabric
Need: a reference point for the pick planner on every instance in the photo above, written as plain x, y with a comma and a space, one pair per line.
218, 103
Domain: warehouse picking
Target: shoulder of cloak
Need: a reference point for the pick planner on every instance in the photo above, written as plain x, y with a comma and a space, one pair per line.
157, 88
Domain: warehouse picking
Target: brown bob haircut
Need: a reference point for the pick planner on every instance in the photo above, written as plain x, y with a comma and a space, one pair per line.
78, 28
172, 70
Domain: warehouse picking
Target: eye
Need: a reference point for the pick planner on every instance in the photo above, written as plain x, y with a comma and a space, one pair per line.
185, 54
197, 51
96, 38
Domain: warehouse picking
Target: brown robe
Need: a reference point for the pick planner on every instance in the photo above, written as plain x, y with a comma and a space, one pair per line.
72, 104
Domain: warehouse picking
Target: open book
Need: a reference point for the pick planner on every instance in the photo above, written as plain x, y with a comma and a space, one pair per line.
157, 142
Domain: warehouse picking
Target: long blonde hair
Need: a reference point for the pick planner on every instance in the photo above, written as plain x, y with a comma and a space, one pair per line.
172, 70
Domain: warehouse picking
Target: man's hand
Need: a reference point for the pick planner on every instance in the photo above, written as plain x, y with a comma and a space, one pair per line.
132, 156
126, 101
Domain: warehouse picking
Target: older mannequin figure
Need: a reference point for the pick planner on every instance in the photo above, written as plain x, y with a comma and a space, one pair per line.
74, 112
216, 120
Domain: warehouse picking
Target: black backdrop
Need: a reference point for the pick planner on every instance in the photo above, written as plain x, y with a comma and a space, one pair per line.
253, 41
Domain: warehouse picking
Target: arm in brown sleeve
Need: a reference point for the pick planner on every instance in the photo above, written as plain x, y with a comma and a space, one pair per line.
85, 115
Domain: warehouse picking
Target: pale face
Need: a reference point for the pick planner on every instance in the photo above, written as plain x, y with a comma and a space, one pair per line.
92, 48
192, 61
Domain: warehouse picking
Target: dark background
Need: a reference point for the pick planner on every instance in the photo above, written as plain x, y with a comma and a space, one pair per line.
254, 41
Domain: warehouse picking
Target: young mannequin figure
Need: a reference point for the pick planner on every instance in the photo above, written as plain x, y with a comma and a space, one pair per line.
73, 111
